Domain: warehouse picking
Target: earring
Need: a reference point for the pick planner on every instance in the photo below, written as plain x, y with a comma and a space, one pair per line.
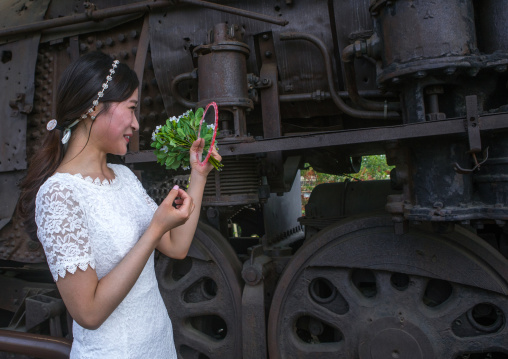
92, 117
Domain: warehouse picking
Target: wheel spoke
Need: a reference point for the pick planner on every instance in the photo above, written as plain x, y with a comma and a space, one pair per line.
200, 342
203, 297
385, 310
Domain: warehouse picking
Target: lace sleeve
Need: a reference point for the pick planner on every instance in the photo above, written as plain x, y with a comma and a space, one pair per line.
62, 230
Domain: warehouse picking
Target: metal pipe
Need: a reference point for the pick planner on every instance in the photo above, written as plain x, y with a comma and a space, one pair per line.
235, 11
174, 88
389, 115
325, 95
36, 345
144, 6
348, 57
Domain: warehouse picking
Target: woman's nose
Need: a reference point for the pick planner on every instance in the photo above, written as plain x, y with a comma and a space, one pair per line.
135, 123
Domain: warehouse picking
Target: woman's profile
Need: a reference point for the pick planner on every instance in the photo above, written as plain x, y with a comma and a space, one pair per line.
98, 226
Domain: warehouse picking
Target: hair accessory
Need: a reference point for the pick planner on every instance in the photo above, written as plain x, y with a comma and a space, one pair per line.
51, 125
67, 132
101, 92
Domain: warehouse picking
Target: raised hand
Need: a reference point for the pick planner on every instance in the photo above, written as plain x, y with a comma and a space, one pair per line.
196, 152
167, 217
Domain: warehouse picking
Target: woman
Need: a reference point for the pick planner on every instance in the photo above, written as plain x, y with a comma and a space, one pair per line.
98, 226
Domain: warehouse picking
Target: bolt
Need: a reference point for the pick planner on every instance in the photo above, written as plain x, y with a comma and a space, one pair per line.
450, 70
33, 246
250, 275
268, 54
265, 37
420, 74
110, 41
473, 71
122, 37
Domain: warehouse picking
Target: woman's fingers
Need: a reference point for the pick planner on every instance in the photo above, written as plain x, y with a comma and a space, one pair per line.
187, 204
198, 145
216, 155
170, 198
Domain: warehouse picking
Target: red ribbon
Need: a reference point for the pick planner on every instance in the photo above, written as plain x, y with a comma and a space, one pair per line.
214, 131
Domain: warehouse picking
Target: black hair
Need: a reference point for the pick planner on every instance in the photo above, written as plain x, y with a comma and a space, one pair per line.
78, 88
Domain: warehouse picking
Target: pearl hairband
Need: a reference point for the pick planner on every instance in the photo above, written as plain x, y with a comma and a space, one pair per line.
67, 130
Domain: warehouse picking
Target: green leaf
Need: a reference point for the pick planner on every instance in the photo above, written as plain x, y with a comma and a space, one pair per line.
199, 115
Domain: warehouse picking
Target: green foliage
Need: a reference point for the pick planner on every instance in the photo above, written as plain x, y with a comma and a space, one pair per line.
373, 168
172, 141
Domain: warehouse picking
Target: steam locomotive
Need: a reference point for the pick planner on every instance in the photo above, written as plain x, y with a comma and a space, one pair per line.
411, 267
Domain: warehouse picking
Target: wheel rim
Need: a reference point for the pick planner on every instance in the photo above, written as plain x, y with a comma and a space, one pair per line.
357, 290
203, 295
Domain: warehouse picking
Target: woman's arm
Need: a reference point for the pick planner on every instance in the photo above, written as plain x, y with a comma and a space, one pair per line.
91, 301
176, 243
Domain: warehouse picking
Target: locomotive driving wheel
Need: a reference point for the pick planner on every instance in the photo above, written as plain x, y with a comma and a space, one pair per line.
358, 290
203, 295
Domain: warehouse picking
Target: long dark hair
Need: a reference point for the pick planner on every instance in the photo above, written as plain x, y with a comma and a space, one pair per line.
77, 89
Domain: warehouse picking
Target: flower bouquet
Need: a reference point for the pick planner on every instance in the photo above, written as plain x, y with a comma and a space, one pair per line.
172, 141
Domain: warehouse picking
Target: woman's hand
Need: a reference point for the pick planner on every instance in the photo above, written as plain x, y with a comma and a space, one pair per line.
167, 217
196, 152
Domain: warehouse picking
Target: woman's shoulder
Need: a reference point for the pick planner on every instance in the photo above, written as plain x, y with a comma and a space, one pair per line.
56, 184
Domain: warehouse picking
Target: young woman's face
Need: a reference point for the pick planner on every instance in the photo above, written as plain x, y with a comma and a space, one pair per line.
113, 129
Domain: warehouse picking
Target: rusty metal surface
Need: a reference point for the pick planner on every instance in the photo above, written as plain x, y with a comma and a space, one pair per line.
15, 13
36, 345
361, 114
222, 75
173, 38
449, 29
491, 23
359, 290
17, 79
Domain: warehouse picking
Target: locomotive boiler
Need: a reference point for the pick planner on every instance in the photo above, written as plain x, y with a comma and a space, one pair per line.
411, 267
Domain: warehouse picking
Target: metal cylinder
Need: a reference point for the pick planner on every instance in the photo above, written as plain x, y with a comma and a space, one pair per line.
414, 30
222, 68
435, 183
492, 25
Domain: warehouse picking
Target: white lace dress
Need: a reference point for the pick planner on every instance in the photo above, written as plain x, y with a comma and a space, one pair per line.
81, 223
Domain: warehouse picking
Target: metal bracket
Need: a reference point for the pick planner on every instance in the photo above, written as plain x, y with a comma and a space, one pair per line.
254, 273
473, 126
473, 130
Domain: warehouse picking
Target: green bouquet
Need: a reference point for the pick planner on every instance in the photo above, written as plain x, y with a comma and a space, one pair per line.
172, 141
